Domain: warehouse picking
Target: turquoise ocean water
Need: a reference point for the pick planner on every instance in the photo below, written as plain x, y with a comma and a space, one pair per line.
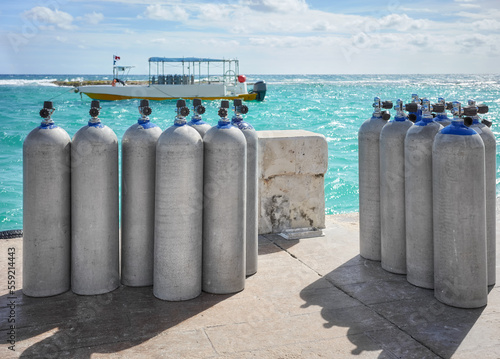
333, 105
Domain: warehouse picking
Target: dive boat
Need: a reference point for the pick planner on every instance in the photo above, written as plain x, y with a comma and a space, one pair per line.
194, 79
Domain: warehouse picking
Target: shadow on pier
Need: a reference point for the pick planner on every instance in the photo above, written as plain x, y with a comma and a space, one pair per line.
72, 326
382, 311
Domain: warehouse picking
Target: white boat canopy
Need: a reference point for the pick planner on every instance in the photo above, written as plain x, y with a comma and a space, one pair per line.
191, 68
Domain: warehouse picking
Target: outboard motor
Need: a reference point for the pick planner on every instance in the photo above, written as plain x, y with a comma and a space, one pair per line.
46, 208
260, 88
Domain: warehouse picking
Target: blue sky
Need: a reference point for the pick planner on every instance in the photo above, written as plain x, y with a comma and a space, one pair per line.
267, 36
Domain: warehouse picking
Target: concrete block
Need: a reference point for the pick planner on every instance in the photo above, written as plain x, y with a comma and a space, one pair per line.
292, 165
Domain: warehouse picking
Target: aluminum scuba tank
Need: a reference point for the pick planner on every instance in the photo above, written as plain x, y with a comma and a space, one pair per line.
196, 121
490, 151
178, 211
94, 208
418, 197
138, 199
460, 269
252, 225
441, 116
369, 180
392, 191
225, 150
46, 208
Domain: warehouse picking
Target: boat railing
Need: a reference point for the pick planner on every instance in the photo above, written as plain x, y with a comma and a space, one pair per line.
190, 80
172, 80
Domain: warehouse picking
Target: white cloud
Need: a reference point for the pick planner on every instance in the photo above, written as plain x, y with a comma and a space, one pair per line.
43, 15
93, 19
473, 41
402, 22
290, 42
168, 13
280, 6
213, 12
486, 25
470, 6
322, 25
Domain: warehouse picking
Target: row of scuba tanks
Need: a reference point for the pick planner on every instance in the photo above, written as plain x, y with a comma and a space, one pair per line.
189, 205
427, 196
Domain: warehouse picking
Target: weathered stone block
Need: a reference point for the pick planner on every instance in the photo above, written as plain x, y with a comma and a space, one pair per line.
292, 165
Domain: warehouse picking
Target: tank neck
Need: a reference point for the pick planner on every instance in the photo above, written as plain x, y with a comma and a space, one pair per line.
47, 123
143, 120
95, 122
237, 118
377, 113
180, 121
427, 118
145, 123
196, 119
224, 123
400, 117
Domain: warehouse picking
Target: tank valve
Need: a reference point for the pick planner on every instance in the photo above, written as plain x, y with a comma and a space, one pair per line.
182, 110
438, 107
378, 105
427, 108
400, 108
482, 108
224, 105
456, 110
415, 99
470, 112
239, 108
47, 111
198, 108
144, 108
95, 109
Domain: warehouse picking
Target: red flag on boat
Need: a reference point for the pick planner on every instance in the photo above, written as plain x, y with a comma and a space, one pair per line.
115, 58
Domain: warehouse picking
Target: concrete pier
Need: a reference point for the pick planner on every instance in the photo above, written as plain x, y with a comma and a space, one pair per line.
311, 298
292, 167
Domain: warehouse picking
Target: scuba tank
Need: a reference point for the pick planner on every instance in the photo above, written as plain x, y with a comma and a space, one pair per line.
94, 208
252, 221
369, 180
46, 208
482, 127
138, 199
178, 211
225, 176
418, 197
460, 269
392, 191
